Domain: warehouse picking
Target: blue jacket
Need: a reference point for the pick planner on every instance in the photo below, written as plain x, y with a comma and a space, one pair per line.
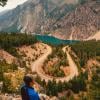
28, 93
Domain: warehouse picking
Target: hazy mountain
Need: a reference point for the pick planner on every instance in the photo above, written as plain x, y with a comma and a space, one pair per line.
63, 18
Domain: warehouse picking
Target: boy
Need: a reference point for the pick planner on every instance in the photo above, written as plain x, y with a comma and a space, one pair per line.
27, 91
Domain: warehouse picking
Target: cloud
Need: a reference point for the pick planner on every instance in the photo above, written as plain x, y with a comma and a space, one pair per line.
12, 4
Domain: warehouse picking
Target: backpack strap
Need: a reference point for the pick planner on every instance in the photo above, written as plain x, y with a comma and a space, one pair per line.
24, 93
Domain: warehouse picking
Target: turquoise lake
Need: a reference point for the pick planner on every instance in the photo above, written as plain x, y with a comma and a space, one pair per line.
53, 41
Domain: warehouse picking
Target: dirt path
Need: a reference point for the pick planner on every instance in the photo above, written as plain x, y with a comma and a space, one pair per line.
37, 66
73, 66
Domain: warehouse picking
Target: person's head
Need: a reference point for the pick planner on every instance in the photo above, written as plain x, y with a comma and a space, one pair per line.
28, 80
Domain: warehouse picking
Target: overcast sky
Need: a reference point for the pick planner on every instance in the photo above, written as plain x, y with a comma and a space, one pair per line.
11, 4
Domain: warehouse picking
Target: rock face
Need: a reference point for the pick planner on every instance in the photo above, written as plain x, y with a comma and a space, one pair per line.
32, 16
24, 18
65, 19
96, 36
81, 23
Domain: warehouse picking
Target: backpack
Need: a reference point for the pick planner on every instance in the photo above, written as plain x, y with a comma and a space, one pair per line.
24, 93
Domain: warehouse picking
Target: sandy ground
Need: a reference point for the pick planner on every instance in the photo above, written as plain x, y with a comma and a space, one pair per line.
31, 53
36, 66
96, 36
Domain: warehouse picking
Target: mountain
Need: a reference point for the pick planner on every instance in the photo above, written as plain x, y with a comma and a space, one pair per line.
66, 19
81, 23
30, 16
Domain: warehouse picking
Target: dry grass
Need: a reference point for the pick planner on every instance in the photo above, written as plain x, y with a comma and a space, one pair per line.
7, 57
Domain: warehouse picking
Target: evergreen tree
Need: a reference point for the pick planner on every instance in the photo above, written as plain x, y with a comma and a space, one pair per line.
3, 2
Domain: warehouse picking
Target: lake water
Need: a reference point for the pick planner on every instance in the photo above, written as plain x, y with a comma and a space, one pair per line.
53, 41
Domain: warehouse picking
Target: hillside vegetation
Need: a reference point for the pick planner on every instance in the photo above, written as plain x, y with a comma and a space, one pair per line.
27, 50
56, 63
9, 42
10, 59
87, 50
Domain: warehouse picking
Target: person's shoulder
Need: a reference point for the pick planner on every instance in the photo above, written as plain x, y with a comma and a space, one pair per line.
31, 90
33, 93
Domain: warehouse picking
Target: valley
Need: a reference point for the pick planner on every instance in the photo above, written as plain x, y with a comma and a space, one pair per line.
67, 65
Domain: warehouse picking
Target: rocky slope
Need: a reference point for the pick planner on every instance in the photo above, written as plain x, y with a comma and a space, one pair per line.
7, 57
96, 36
81, 23
58, 17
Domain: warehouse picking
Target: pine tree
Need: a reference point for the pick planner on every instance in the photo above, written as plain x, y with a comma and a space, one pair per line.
3, 2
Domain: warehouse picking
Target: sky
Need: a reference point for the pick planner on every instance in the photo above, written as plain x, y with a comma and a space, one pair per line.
11, 4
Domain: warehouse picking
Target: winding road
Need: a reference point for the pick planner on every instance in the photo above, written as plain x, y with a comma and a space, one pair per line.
37, 66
